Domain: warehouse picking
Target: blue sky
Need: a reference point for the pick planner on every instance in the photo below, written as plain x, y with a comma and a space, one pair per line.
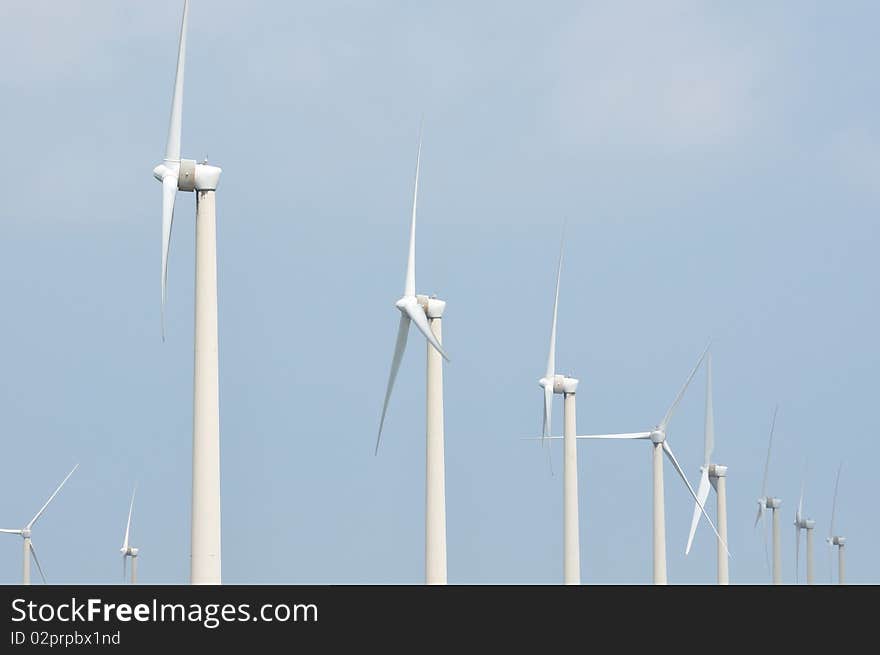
717, 167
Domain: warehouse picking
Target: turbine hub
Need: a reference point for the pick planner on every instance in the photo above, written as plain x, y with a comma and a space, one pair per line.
658, 436
186, 175
26, 533
166, 168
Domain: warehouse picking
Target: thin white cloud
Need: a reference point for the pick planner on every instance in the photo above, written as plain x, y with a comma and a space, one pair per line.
51, 41
853, 155
670, 75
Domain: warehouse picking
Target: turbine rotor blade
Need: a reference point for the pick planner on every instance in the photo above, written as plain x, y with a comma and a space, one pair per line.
55, 493
172, 145
834, 502
548, 409
399, 347
128, 524
769, 446
550, 458
551, 357
760, 514
409, 288
625, 435
678, 398
417, 315
668, 450
37, 562
11, 531
169, 194
628, 435
702, 495
800, 508
709, 428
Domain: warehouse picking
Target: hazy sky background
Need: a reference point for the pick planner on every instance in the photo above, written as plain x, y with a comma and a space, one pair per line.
718, 166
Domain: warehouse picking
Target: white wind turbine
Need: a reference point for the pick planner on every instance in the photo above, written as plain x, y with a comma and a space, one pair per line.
127, 550
426, 313
714, 475
801, 522
835, 539
657, 436
552, 383
769, 502
178, 174
25, 534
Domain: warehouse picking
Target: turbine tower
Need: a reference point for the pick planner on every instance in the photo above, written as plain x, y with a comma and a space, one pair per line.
178, 174
835, 539
427, 313
552, 383
127, 550
716, 476
766, 502
801, 522
25, 534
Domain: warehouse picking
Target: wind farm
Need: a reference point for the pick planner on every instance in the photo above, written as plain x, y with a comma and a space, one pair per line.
427, 171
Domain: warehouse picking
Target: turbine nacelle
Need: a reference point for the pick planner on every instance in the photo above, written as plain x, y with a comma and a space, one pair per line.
717, 471
25, 533
837, 541
768, 503
129, 552
560, 384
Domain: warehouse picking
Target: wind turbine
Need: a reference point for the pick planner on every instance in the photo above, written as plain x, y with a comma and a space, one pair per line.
127, 550
178, 174
426, 313
660, 445
716, 476
25, 533
773, 504
552, 383
801, 522
834, 539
